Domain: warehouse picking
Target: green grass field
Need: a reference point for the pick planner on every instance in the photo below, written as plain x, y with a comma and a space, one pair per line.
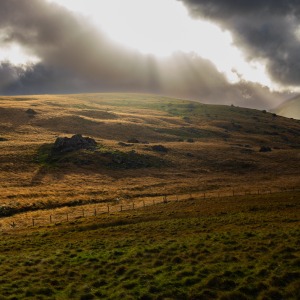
244, 247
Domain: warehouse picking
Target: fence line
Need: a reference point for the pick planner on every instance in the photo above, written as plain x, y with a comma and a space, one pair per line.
33, 219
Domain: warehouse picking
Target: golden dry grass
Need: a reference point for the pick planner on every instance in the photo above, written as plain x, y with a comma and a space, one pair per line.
224, 152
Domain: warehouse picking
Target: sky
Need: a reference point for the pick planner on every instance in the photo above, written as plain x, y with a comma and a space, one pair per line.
237, 52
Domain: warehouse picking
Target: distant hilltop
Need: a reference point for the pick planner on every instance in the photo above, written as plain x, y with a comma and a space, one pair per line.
289, 109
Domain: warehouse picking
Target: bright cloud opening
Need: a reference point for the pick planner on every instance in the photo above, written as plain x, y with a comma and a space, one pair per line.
162, 27
16, 55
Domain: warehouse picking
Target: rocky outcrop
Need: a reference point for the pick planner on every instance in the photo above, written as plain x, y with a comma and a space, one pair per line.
31, 112
159, 148
76, 142
265, 149
133, 141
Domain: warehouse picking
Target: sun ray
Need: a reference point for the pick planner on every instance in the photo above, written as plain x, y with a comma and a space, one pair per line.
163, 27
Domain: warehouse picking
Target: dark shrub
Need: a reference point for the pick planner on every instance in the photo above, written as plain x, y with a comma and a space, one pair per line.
265, 149
159, 148
133, 141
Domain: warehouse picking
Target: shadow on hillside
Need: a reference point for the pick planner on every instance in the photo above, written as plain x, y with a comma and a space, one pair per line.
42, 172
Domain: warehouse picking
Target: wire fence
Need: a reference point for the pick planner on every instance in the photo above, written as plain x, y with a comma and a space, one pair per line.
70, 214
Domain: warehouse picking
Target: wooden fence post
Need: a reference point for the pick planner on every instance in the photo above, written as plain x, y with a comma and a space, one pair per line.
67, 217
33, 222
108, 208
95, 212
121, 208
13, 224
83, 212
50, 219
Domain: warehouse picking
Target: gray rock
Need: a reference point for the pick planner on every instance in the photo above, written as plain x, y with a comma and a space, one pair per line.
265, 149
133, 141
31, 112
76, 142
159, 148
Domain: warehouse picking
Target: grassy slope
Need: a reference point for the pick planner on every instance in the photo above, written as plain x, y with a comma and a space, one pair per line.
224, 155
237, 248
230, 248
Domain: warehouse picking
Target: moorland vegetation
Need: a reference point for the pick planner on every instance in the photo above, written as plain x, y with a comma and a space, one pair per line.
142, 149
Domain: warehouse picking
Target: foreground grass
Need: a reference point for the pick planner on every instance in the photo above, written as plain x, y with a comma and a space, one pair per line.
232, 248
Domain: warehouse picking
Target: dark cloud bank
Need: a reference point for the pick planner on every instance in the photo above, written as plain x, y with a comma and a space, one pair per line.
264, 29
75, 57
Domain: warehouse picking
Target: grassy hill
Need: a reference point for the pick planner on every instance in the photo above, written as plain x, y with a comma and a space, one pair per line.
149, 148
207, 148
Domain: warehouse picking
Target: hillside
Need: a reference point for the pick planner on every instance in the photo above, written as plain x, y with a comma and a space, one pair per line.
231, 248
148, 146
128, 196
289, 109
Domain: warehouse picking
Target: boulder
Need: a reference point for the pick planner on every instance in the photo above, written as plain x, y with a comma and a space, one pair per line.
265, 149
133, 141
76, 142
159, 148
31, 112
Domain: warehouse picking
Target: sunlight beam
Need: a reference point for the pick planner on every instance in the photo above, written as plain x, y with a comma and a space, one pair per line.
162, 27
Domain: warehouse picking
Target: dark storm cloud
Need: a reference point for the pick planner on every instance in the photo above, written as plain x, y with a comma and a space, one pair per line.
76, 57
68, 45
265, 29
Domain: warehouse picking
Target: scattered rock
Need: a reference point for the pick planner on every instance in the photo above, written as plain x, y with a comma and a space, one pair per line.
265, 149
133, 141
190, 140
31, 112
3, 139
76, 142
159, 148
